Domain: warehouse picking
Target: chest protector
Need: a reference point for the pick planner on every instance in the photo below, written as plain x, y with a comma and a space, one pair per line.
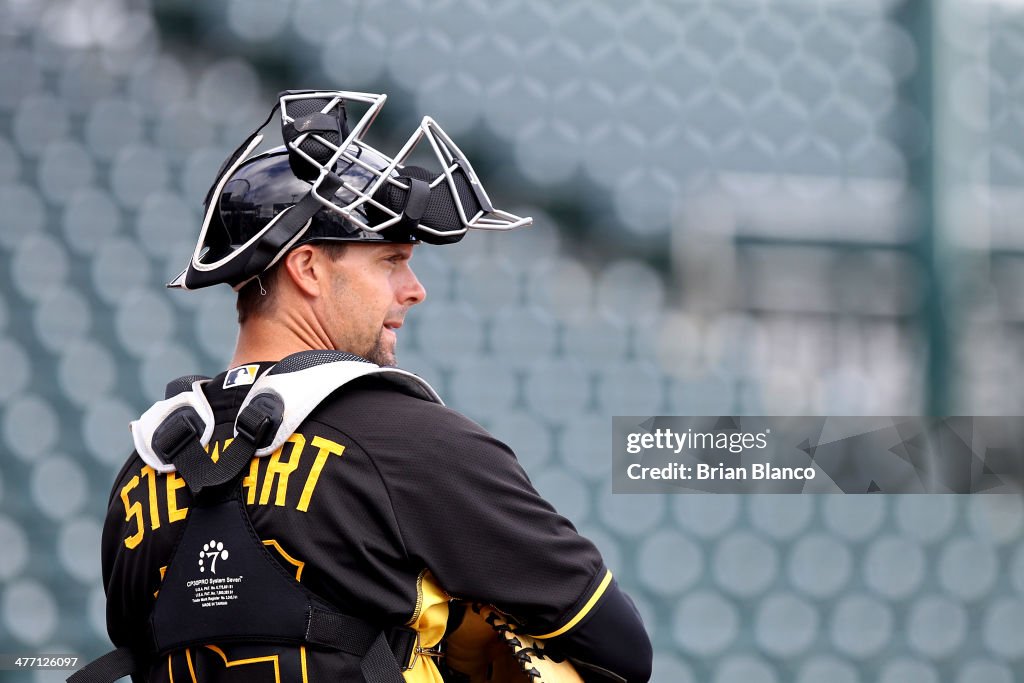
202, 602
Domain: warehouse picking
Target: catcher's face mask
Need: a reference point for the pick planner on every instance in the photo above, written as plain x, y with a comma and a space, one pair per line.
326, 183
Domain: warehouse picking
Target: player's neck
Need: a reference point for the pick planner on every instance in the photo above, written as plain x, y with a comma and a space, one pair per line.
271, 338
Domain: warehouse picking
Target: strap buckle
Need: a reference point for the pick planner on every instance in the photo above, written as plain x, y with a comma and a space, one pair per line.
176, 432
405, 644
260, 419
436, 652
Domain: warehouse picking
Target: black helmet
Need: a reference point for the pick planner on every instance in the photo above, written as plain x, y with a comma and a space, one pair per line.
325, 183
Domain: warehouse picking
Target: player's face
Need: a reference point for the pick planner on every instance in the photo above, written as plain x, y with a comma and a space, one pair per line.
373, 288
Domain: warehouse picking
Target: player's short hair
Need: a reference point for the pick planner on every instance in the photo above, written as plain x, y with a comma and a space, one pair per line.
257, 297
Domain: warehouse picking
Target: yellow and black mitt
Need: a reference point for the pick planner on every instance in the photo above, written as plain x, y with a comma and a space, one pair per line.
486, 647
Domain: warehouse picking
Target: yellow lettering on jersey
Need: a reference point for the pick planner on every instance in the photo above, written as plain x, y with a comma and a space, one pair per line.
154, 509
174, 482
327, 447
249, 482
281, 470
132, 510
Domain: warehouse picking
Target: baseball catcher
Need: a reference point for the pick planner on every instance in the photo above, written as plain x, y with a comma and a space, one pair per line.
314, 513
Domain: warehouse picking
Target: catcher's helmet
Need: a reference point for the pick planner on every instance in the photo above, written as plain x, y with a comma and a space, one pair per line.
326, 183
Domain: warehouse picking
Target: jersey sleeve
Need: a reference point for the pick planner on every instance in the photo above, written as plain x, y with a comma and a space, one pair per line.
129, 587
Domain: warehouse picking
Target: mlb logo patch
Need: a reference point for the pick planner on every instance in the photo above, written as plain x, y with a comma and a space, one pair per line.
241, 376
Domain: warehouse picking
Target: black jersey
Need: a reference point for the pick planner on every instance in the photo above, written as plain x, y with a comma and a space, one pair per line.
383, 504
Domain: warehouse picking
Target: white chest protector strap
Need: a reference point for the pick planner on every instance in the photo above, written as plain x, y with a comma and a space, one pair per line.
299, 383
302, 387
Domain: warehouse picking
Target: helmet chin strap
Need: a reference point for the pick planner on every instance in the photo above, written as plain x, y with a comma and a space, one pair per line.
415, 204
288, 228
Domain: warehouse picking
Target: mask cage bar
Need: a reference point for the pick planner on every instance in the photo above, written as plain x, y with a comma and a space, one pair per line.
445, 150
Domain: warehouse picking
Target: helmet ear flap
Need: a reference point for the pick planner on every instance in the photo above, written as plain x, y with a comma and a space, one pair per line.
310, 120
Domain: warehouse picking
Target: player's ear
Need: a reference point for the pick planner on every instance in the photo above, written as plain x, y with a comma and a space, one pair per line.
305, 270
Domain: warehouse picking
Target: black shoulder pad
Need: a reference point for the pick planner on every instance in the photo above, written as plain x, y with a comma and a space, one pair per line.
177, 386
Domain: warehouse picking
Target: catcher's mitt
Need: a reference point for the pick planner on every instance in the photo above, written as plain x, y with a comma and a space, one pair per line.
487, 648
